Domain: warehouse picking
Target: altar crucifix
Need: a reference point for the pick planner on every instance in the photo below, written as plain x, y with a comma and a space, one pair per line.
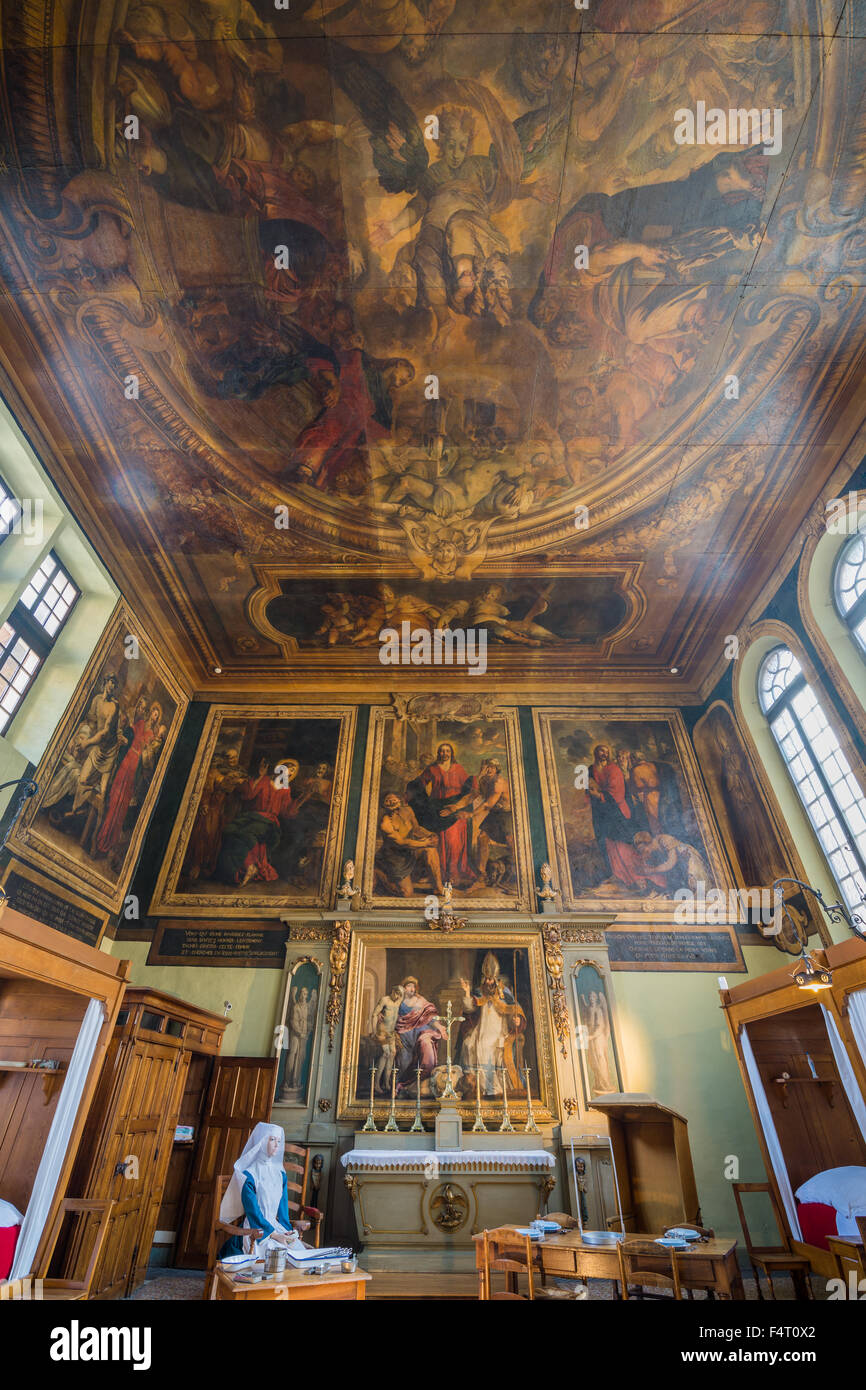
449, 1093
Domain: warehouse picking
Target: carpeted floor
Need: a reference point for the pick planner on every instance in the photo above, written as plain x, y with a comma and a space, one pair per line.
188, 1285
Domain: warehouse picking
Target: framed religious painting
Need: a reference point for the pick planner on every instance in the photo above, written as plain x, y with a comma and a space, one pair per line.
297, 1028
624, 808
759, 846
444, 802
395, 1037
101, 773
262, 817
596, 1043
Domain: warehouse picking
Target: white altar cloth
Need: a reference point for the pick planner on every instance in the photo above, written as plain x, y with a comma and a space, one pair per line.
455, 1160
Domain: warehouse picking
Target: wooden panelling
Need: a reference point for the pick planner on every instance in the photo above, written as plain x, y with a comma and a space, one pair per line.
784, 1025
814, 1121
241, 1093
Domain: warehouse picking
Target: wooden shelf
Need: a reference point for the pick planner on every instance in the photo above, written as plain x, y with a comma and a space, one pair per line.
49, 1074
828, 1082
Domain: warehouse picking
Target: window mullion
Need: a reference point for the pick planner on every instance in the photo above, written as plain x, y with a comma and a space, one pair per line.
828, 791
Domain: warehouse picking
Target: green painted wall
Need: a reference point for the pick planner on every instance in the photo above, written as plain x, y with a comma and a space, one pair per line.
676, 1046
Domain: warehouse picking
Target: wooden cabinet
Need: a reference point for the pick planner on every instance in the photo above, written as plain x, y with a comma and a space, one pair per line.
813, 1124
653, 1162
46, 982
129, 1142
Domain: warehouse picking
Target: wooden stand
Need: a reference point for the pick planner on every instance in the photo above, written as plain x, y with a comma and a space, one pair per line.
653, 1162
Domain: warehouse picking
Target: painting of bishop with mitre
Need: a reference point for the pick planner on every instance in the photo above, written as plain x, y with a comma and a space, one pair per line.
493, 1034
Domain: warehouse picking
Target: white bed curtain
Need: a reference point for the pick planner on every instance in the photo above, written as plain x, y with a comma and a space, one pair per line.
844, 1068
57, 1143
857, 1019
771, 1138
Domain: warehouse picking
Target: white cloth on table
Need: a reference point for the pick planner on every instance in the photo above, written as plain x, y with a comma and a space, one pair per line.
476, 1159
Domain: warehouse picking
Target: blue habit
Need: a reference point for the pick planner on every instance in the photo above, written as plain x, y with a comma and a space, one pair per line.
252, 1212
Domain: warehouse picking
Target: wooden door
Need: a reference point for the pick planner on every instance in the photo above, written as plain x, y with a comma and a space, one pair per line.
154, 1130
144, 1082
241, 1093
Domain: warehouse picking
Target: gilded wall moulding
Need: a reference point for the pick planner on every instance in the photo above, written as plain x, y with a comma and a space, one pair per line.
339, 959
555, 965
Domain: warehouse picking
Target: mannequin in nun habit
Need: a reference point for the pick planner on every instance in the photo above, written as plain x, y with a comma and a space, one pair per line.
258, 1193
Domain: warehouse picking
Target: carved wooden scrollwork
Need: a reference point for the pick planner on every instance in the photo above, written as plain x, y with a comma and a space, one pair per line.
555, 966
339, 959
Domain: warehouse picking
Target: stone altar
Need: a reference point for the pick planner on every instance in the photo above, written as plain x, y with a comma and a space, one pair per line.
418, 1207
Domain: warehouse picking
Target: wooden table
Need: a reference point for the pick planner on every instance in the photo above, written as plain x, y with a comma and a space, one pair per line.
708, 1264
294, 1284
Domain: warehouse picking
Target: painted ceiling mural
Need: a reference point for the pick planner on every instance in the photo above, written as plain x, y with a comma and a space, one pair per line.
378, 309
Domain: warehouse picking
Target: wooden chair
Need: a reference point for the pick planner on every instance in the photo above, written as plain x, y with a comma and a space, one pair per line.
506, 1251
632, 1252
772, 1259
849, 1255
567, 1222
706, 1233
297, 1165
96, 1230
221, 1231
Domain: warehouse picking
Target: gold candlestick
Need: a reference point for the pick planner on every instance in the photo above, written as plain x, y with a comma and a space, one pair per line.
392, 1127
479, 1127
370, 1126
530, 1127
416, 1126
506, 1127
449, 1093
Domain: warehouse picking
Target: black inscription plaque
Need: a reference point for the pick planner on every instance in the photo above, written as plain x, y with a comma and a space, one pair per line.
255, 945
684, 950
44, 906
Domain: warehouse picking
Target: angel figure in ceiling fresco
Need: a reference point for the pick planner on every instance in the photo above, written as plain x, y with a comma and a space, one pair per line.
458, 261
226, 133
654, 317
380, 26
489, 611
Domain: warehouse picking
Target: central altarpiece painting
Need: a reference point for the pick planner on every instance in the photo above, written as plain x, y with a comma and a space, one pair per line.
399, 988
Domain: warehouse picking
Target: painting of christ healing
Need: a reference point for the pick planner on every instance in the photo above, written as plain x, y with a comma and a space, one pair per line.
444, 805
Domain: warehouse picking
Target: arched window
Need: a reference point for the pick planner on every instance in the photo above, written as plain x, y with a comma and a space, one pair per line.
849, 587
831, 794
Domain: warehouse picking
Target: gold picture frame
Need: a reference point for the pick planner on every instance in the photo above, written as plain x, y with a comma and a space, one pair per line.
34, 838
381, 720
640, 906
170, 900
455, 953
